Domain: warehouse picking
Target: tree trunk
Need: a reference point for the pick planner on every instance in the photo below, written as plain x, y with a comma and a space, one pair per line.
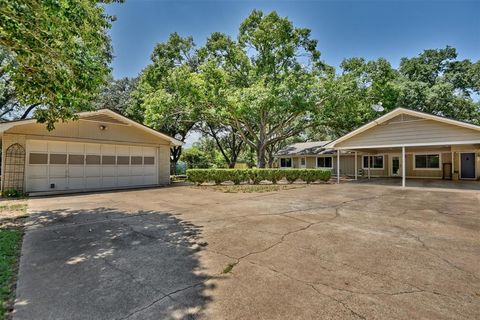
173, 168
260, 157
231, 165
175, 153
270, 162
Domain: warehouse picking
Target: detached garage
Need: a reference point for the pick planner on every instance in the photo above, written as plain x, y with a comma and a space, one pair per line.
101, 150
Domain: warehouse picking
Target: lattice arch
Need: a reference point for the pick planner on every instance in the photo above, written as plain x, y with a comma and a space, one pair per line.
14, 168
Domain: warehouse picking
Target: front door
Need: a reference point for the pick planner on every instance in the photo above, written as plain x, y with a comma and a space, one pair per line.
467, 164
395, 166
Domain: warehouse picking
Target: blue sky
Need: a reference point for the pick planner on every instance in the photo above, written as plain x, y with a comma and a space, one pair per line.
370, 29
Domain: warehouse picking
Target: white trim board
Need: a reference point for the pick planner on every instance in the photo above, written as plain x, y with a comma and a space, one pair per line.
423, 144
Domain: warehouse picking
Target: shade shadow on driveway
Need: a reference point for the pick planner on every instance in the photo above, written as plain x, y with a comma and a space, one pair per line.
108, 264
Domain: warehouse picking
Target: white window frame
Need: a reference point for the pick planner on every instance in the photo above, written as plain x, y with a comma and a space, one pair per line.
300, 165
373, 155
316, 162
280, 162
440, 163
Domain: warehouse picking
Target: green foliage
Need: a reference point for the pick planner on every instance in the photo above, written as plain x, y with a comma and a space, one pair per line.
255, 176
168, 94
116, 95
267, 81
61, 52
194, 157
12, 193
10, 244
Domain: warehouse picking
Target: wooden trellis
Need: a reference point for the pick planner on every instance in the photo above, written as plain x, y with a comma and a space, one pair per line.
14, 168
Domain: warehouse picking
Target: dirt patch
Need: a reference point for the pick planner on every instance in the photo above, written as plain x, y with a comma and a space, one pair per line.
12, 209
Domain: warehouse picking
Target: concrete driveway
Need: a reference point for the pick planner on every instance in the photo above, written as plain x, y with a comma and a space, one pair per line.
346, 251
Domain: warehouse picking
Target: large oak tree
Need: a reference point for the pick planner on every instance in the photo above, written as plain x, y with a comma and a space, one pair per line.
60, 51
168, 93
273, 71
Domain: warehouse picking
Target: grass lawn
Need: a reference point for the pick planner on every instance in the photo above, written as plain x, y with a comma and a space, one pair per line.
11, 233
10, 245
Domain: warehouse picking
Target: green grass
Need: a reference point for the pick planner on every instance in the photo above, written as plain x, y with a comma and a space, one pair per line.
10, 245
229, 267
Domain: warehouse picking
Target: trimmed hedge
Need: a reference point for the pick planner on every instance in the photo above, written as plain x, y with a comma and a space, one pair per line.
254, 176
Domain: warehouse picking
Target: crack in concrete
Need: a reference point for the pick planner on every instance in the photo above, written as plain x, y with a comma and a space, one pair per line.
282, 238
312, 286
284, 213
430, 250
131, 275
368, 272
162, 297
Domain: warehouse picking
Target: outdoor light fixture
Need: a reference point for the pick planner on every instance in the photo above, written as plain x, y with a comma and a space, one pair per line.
102, 127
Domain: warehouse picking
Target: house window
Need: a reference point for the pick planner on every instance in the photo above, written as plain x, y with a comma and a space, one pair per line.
285, 162
76, 159
427, 161
92, 159
303, 162
376, 162
58, 158
123, 160
109, 160
136, 160
148, 160
325, 162
38, 158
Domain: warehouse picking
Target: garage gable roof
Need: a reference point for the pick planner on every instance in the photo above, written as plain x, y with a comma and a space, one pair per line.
395, 113
102, 115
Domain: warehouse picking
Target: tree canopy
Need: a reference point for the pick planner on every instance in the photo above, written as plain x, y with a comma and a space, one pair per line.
60, 52
272, 72
169, 89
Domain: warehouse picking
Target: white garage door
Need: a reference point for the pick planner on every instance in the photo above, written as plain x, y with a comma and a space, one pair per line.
57, 166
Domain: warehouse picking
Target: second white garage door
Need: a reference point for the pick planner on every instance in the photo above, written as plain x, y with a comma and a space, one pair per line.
58, 165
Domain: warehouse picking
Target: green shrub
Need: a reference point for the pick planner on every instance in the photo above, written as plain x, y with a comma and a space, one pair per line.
255, 176
274, 175
12, 193
198, 176
238, 176
292, 175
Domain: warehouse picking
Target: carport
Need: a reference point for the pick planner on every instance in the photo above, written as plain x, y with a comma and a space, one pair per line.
413, 145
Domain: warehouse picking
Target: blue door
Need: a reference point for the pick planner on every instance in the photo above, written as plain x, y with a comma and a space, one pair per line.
468, 165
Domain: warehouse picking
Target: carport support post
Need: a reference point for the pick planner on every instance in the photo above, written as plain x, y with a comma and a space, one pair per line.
338, 166
368, 165
356, 169
404, 164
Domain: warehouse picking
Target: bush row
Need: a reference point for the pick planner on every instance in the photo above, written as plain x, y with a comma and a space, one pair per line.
254, 176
